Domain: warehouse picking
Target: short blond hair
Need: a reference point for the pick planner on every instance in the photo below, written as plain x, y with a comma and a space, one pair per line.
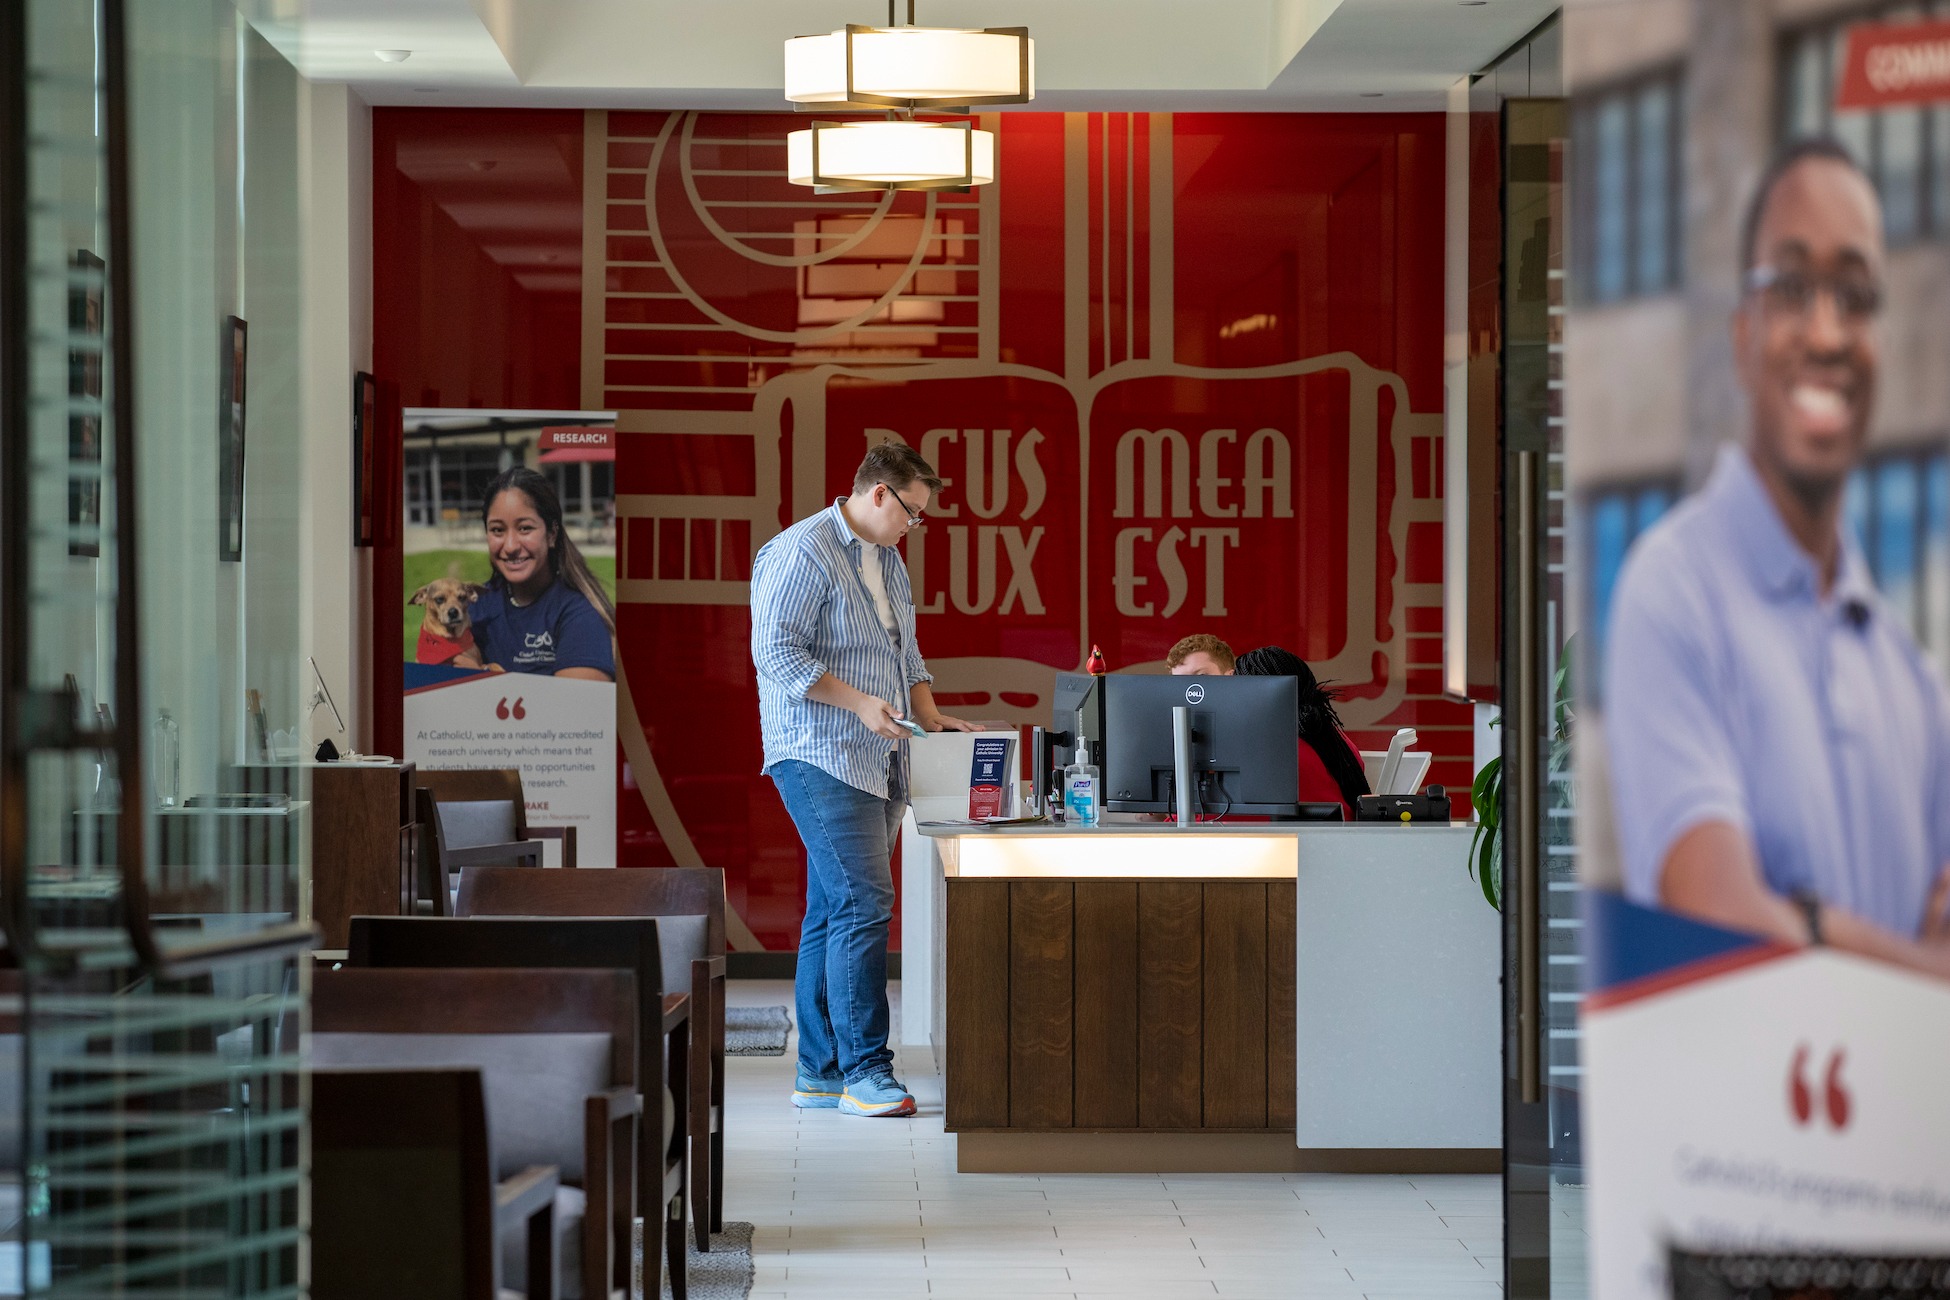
1203, 642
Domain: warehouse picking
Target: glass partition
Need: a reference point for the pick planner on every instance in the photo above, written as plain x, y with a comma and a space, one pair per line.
156, 839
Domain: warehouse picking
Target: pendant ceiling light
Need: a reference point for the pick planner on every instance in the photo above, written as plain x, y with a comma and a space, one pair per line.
902, 70
897, 155
912, 68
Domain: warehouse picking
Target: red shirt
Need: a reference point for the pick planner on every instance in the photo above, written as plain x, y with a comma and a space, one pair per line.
1317, 784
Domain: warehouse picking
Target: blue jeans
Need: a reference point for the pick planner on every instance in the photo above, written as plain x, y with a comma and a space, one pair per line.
841, 987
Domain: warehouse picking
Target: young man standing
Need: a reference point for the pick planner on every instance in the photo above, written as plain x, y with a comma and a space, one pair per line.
838, 671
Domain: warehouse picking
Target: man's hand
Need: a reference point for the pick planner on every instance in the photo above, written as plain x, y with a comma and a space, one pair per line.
931, 718
878, 716
1936, 912
875, 714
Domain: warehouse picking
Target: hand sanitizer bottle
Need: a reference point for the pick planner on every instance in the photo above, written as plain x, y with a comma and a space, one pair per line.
1083, 795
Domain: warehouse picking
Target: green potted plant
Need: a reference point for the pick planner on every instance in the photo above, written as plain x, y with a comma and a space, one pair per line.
1486, 846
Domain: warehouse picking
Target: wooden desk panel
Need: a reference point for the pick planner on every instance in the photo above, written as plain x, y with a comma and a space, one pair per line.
1106, 1016
1171, 1004
976, 943
1280, 993
1233, 1054
1042, 1004
356, 851
1157, 1005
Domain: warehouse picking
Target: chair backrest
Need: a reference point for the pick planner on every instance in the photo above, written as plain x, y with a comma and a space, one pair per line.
470, 823
402, 1190
687, 902
625, 891
457, 785
570, 943
459, 824
543, 1040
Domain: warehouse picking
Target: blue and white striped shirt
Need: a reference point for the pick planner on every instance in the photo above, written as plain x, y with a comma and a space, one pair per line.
811, 615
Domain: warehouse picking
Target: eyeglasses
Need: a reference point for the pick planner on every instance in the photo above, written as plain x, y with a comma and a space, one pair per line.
1857, 297
913, 515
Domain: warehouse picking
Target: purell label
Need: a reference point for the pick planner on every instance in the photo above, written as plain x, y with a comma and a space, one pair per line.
1082, 799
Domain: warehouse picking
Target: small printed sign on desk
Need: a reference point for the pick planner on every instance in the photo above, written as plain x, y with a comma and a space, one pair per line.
989, 775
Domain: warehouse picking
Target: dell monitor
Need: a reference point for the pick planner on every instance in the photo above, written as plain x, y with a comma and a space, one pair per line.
1245, 744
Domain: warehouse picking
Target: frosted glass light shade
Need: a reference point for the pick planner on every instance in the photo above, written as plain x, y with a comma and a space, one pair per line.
891, 155
912, 67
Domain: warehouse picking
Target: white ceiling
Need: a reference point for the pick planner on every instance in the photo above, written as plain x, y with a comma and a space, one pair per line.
1090, 54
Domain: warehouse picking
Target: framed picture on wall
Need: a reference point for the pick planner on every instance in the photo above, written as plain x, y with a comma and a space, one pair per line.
87, 282
230, 441
365, 429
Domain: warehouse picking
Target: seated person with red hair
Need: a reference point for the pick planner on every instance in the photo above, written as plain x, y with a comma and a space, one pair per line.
1330, 766
1200, 655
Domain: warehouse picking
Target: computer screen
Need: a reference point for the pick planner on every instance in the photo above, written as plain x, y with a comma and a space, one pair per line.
1245, 744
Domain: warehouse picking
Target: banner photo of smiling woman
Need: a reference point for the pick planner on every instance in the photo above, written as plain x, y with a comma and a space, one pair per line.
542, 611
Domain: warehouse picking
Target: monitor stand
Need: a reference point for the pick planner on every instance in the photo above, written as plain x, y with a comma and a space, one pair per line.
1181, 763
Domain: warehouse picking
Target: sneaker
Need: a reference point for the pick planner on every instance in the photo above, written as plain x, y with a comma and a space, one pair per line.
877, 1094
816, 1094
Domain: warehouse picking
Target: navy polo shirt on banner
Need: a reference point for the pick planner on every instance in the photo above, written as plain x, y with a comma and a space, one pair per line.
561, 629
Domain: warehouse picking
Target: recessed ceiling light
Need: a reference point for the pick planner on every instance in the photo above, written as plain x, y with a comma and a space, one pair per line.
392, 56
1371, 94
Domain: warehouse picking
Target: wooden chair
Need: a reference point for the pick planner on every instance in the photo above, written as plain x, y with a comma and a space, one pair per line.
384, 1140
663, 1038
557, 1053
695, 959
462, 833
496, 784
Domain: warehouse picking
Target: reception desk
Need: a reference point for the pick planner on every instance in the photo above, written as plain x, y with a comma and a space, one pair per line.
1250, 997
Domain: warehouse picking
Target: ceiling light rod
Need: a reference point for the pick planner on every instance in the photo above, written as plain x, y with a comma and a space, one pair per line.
890, 13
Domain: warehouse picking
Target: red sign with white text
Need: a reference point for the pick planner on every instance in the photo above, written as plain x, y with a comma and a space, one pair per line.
1895, 63
577, 437
1180, 372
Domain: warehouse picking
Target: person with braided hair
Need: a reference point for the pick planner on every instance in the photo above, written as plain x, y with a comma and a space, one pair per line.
1330, 766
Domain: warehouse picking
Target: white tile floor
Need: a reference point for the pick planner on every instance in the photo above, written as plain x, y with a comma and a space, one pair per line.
848, 1207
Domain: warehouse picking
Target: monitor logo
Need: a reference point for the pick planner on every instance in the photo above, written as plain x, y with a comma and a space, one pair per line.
1194, 694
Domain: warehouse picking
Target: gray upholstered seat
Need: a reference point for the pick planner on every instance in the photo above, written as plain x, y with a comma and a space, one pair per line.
534, 1086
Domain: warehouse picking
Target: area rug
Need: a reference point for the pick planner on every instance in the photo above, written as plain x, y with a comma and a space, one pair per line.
756, 1031
724, 1274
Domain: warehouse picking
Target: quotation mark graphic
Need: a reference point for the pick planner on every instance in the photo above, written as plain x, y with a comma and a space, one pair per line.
503, 712
1834, 1093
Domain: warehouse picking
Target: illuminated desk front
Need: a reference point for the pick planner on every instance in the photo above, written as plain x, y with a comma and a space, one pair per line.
1260, 996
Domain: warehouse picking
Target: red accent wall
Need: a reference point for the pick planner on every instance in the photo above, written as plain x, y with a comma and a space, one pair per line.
1182, 373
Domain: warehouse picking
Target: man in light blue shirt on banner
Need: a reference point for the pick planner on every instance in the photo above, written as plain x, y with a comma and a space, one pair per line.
1780, 747
838, 672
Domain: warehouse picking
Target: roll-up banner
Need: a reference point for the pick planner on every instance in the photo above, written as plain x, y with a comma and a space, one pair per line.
510, 582
1758, 508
